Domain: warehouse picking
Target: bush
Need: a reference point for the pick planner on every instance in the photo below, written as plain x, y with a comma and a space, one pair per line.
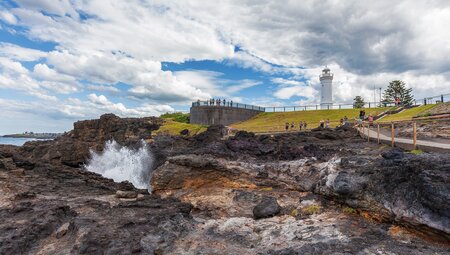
177, 116
416, 152
349, 210
311, 209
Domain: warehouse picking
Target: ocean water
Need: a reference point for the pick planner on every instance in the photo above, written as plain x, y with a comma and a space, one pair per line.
15, 141
121, 163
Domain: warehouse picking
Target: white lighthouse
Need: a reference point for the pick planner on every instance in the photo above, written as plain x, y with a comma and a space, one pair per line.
326, 79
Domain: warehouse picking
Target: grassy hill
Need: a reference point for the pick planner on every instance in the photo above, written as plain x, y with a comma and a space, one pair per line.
408, 113
275, 121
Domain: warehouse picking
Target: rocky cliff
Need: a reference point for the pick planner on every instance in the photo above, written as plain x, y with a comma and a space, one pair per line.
319, 192
72, 149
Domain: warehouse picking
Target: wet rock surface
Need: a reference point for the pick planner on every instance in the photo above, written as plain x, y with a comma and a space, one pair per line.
49, 210
319, 192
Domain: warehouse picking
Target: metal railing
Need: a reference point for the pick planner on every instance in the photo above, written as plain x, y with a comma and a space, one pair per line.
325, 107
228, 104
335, 106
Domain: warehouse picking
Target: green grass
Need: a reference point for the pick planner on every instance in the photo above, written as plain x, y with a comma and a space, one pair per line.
171, 127
275, 121
311, 209
416, 152
407, 114
177, 116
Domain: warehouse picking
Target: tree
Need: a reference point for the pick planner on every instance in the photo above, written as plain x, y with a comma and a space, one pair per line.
397, 89
358, 102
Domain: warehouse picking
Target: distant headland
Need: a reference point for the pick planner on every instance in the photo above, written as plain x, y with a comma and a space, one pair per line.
34, 135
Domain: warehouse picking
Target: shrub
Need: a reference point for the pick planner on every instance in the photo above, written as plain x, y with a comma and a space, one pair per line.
416, 152
177, 116
311, 209
294, 213
349, 210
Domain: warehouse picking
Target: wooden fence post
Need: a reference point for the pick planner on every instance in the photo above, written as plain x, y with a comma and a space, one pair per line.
378, 133
414, 135
392, 134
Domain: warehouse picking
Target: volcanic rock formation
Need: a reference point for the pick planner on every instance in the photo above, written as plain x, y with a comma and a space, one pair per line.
319, 192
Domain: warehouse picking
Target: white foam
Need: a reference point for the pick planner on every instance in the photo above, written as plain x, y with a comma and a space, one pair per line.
121, 163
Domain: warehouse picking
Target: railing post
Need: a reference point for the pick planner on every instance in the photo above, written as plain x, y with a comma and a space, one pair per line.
316, 107
392, 134
294, 108
378, 133
284, 108
328, 106
274, 109
339, 107
305, 107
442, 98
425, 101
414, 135
369, 104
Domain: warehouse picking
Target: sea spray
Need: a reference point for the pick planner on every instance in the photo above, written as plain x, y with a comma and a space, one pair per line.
122, 163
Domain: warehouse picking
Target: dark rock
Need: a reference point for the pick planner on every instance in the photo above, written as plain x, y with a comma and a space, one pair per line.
243, 196
342, 184
268, 207
72, 149
262, 174
395, 153
212, 133
244, 135
184, 132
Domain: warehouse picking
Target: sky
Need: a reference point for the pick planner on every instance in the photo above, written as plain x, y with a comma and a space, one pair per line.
68, 60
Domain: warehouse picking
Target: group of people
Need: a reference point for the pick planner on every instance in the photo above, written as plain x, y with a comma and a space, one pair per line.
302, 125
324, 124
219, 102
343, 121
216, 102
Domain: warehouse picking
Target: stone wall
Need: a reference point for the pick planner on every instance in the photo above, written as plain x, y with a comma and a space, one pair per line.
220, 115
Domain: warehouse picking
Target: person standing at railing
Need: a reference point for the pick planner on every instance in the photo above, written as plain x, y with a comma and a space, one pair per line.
224, 102
231, 103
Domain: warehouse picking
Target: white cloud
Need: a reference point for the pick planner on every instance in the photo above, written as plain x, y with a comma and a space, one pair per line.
102, 103
106, 44
290, 88
18, 53
241, 85
8, 17
103, 88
